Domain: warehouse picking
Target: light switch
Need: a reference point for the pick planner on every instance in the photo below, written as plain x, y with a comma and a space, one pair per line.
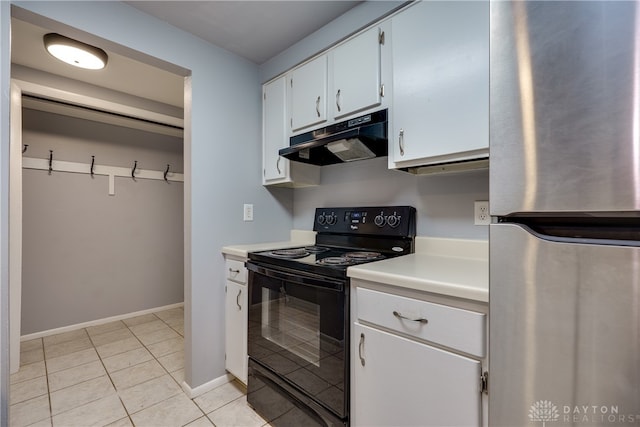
248, 212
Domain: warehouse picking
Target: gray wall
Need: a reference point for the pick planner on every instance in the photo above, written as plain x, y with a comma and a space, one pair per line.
444, 203
88, 255
222, 158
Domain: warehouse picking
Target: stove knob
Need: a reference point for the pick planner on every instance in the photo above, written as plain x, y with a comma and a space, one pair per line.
321, 219
393, 220
332, 219
379, 220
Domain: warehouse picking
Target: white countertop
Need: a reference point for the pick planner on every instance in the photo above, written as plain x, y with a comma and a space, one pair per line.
449, 267
297, 238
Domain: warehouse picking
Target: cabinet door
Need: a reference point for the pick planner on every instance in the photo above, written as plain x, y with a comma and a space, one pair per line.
399, 382
236, 330
356, 74
274, 130
309, 94
440, 82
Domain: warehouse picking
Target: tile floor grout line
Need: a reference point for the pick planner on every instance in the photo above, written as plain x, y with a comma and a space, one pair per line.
46, 374
172, 377
95, 348
107, 372
151, 379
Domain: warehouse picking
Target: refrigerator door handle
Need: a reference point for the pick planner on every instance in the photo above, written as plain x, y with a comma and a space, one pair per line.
613, 232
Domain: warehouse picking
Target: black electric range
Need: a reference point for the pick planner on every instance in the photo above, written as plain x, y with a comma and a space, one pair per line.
298, 345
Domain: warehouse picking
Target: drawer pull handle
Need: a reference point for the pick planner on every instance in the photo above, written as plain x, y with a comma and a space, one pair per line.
360, 346
231, 270
400, 316
238, 300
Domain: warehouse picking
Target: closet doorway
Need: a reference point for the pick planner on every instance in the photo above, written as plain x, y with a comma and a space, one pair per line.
106, 261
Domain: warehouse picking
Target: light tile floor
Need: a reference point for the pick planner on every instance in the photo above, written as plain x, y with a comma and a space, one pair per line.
124, 373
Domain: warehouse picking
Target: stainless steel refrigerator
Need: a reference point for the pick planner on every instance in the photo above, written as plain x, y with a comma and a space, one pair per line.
565, 199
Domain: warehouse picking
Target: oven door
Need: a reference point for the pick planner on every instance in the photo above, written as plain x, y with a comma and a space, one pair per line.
298, 330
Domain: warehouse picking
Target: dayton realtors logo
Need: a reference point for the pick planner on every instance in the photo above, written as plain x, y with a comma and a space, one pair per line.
544, 411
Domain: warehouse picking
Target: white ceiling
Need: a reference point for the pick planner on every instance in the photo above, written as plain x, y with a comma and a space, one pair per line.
256, 30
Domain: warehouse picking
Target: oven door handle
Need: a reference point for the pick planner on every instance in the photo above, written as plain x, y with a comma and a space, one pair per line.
306, 279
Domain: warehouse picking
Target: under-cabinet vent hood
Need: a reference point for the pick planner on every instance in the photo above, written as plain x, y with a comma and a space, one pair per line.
361, 138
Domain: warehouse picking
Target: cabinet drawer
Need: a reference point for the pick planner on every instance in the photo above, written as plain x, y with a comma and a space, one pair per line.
456, 328
236, 271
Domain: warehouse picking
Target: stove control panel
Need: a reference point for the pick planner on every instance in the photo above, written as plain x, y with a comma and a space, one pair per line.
384, 221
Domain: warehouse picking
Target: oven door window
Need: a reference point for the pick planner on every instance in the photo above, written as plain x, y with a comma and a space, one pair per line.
291, 323
298, 331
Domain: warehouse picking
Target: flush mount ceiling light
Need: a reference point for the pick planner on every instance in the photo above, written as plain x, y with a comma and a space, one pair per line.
74, 52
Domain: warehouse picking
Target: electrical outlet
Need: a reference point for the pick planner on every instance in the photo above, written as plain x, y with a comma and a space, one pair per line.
481, 213
248, 212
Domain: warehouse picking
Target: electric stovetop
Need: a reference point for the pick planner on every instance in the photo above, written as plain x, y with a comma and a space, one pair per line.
345, 237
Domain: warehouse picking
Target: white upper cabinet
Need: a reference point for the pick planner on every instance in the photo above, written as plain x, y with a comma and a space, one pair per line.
274, 124
355, 75
308, 85
440, 109
277, 170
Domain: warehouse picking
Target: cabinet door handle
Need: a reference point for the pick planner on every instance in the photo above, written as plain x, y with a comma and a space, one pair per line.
360, 347
420, 319
238, 300
231, 270
318, 106
401, 142
278, 165
338, 100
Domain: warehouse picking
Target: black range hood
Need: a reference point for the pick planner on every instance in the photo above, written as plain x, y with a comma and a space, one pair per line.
361, 138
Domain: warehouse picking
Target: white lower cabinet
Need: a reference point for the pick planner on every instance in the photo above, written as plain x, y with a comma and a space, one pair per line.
236, 301
415, 362
401, 382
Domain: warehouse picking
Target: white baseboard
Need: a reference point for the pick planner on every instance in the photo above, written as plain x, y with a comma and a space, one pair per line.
203, 388
97, 322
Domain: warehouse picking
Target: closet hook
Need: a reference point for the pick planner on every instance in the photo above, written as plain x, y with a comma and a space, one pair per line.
24, 148
133, 171
50, 161
93, 162
165, 173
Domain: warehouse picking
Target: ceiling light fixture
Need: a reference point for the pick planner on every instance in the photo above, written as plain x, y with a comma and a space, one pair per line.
74, 52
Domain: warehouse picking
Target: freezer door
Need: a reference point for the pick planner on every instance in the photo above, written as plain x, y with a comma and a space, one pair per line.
565, 106
564, 332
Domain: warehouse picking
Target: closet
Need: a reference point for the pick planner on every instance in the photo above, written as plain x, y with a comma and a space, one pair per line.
102, 220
